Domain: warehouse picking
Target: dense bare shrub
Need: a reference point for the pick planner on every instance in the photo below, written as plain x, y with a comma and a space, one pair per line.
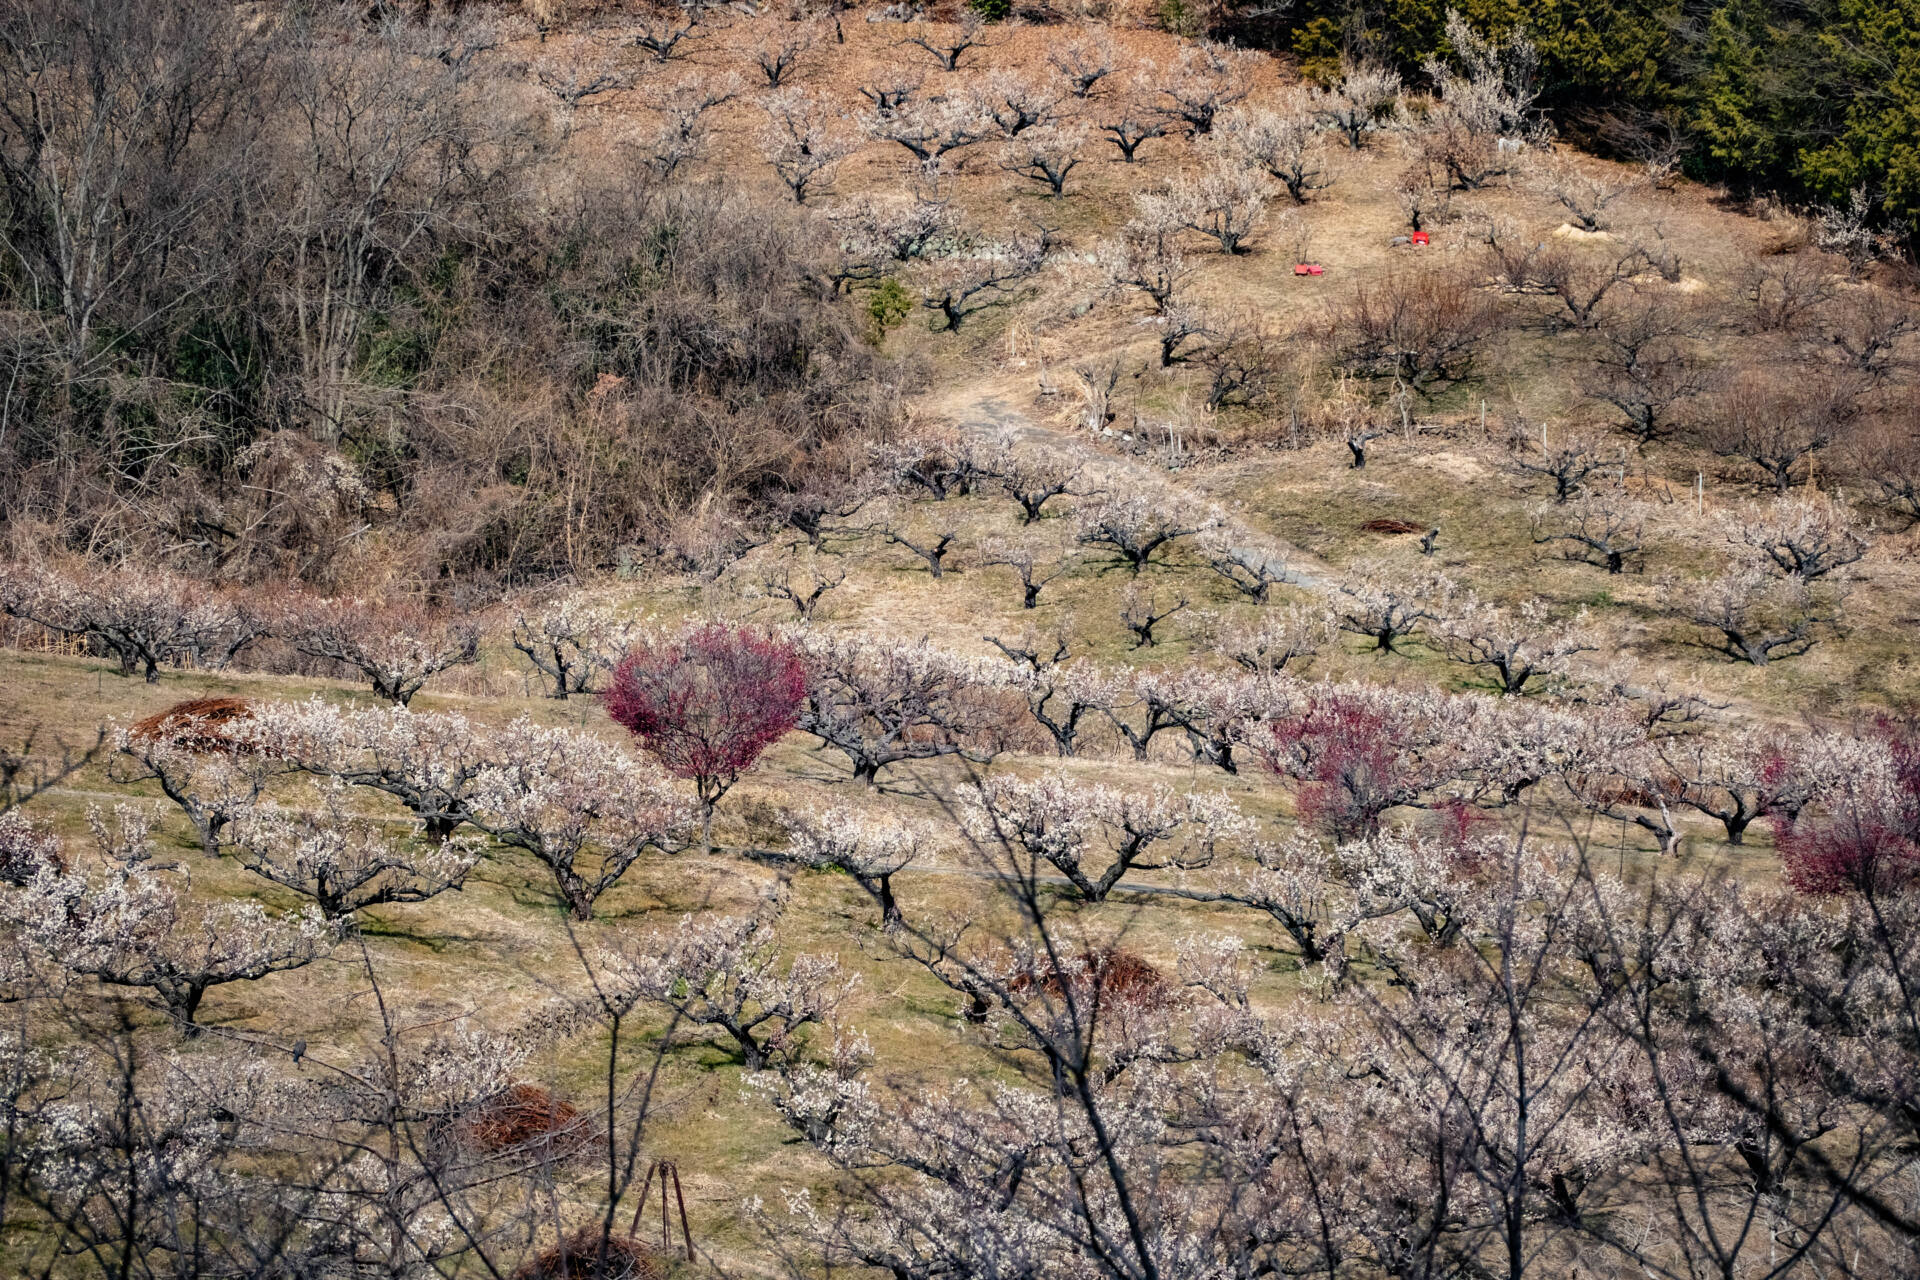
1646, 362
1425, 329
1775, 421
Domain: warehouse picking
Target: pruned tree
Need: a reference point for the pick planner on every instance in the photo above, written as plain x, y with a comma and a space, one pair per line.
891, 86
1061, 693
571, 641
213, 781
571, 82
1067, 825
881, 702
1356, 105
145, 618
127, 924
429, 762
669, 31
1048, 155
707, 704
1034, 567
930, 542
1016, 103
397, 647
1516, 646
1388, 606
1605, 521
1570, 456
1251, 569
1785, 293
1084, 60
1752, 616
801, 581
1130, 123
1241, 357
1586, 193
1034, 475
1138, 525
1143, 609
949, 43
1144, 257
871, 847
343, 864
1800, 536
779, 55
584, 811
1870, 330
1278, 638
968, 281
1225, 202
1204, 80
682, 128
799, 140
725, 973
1284, 143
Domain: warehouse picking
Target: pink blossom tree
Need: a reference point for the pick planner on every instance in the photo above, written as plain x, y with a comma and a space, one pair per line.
708, 703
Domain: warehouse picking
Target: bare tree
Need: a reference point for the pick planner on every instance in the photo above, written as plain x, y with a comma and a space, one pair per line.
1784, 293
1143, 610
1776, 422
1645, 364
1569, 456
571, 641
1424, 329
1084, 60
949, 43
891, 86
1144, 257
1015, 103
931, 546
802, 585
778, 56
1870, 329
1603, 521
571, 82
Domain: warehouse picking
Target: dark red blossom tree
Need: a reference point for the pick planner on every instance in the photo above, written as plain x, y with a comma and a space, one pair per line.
708, 703
1344, 752
1865, 837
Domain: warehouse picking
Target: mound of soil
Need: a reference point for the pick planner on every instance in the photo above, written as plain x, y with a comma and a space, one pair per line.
581, 1256
199, 724
1392, 526
525, 1117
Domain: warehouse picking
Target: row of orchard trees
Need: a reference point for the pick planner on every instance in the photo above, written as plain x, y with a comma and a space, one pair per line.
1497, 1057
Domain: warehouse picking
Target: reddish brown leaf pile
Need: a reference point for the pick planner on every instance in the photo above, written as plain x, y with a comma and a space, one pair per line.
199, 724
